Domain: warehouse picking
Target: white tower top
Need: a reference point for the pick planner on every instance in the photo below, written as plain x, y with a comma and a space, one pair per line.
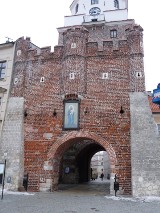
96, 10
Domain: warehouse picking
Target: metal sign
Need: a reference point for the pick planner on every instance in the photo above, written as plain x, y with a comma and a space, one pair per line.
156, 95
67, 170
2, 165
2, 175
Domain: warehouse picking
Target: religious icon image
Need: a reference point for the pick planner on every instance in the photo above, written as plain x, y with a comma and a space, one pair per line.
71, 115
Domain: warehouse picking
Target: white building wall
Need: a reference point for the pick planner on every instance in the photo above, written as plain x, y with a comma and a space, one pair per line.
73, 20
116, 15
85, 6
6, 54
107, 8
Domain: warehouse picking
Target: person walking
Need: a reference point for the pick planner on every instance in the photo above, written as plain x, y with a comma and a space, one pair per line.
102, 176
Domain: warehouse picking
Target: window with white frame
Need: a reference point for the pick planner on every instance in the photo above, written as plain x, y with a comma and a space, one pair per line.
139, 74
2, 69
116, 4
41, 79
72, 75
113, 33
73, 45
94, 1
105, 75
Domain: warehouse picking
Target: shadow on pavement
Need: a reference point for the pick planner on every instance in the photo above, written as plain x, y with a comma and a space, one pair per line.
94, 187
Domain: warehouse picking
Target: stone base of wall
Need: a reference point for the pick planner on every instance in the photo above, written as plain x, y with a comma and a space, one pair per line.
12, 143
145, 148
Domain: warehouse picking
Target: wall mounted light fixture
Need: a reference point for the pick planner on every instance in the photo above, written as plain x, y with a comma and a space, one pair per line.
121, 110
25, 113
54, 113
86, 111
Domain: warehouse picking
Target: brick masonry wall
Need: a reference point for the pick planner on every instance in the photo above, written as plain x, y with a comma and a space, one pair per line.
95, 53
145, 145
12, 143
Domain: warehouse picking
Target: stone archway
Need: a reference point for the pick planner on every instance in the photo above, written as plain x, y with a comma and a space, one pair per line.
58, 147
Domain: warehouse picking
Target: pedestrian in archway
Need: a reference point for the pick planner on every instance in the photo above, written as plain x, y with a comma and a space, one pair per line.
102, 176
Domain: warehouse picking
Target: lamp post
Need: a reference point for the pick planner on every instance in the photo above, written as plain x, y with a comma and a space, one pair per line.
5, 156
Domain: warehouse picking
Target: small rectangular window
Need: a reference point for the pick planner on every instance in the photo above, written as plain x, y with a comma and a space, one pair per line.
41, 79
113, 33
73, 45
94, 1
158, 127
105, 75
139, 74
2, 69
72, 75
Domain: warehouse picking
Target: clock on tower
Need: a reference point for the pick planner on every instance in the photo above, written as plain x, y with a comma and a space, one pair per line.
94, 11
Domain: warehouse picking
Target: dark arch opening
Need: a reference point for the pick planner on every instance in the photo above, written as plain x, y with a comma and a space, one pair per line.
84, 159
75, 167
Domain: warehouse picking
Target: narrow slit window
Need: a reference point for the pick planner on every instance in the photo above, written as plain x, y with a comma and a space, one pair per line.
116, 4
105, 75
42, 80
73, 45
138, 74
77, 6
72, 75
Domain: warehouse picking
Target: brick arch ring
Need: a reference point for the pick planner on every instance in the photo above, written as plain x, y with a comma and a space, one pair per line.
83, 134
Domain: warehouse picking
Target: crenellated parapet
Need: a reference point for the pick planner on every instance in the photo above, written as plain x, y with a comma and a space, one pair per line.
135, 39
135, 44
74, 41
26, 50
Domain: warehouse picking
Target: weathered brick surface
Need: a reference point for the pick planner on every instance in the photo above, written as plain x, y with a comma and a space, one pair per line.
95, 53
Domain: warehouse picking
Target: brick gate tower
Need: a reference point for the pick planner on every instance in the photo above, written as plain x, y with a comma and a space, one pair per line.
79, 99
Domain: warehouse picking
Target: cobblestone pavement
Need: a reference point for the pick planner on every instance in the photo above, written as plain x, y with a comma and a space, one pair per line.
83, 198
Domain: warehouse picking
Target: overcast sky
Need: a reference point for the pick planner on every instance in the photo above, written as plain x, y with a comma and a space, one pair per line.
40, 19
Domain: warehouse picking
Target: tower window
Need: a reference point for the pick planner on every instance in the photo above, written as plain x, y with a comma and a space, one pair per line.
113, 33
77, 6
105, 75
116, 4
138, 74
42, 80
2, 69
72, 75
18, 52
94, 1
73, 45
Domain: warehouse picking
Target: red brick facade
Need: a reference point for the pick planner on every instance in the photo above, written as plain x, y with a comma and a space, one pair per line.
88, 52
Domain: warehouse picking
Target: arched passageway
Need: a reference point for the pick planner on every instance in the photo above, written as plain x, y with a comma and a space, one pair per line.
71, 157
